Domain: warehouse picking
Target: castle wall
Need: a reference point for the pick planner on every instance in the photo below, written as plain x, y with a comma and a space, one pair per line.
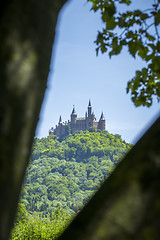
95, 125
79, 125
60, 129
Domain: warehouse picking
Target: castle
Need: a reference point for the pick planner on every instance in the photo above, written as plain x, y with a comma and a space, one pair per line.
75, 124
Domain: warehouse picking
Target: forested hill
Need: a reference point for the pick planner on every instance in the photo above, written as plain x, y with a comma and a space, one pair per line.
61, 177
66, 172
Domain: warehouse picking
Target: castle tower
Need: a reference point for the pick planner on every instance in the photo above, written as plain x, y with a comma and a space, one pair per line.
60, 120
89, 109
73, 120
90, 117
73, 116
102, 122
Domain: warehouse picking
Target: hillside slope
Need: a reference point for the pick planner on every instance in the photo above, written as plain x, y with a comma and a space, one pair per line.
66, 173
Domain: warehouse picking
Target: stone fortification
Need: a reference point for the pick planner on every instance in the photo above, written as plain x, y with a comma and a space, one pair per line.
75, 124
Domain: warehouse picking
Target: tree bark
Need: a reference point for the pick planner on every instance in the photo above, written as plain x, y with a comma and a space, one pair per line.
27, 30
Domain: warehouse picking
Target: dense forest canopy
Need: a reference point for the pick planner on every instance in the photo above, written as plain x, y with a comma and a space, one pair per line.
62, 176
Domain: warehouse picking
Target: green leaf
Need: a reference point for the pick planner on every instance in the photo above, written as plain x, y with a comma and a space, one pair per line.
103, 48
111, 24
121, 22
144, 16
158, 46
157, 18
132, 46
137, 13
108, 12
143, 52
127, 2
95, 6
155, 65
130, 34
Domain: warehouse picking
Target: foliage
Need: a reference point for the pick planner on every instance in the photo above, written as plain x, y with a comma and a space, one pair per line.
39, 227
62, 176
138, 31
66, 172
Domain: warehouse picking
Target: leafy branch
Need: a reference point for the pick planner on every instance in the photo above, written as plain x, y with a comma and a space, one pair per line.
138, 31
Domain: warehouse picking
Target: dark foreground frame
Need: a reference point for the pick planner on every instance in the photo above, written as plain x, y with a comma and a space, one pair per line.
27, 30
128, 204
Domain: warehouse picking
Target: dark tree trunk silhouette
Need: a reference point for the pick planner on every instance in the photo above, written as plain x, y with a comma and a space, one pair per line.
27, 30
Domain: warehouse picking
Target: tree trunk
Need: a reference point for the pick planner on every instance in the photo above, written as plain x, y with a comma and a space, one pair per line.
27, 30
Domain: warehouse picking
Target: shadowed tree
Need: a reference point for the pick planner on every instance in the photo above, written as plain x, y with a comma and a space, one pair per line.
27, 33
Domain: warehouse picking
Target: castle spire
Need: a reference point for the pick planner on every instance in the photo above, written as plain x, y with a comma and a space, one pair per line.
89, 108
60, 119
102, 117
73, 111
73, 116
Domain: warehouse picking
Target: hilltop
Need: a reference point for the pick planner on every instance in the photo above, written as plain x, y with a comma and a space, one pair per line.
66, 172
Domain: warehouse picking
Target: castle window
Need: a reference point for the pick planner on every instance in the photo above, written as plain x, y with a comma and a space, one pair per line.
89, 124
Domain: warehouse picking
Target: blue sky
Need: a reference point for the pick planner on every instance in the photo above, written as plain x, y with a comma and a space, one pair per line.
77, 75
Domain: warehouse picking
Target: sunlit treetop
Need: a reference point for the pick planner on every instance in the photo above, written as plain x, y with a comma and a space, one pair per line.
139, 31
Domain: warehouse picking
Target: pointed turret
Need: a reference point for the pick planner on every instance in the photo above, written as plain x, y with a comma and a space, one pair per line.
89, 109
102, 117
60, 119
102, 123
74, 111
73, 115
